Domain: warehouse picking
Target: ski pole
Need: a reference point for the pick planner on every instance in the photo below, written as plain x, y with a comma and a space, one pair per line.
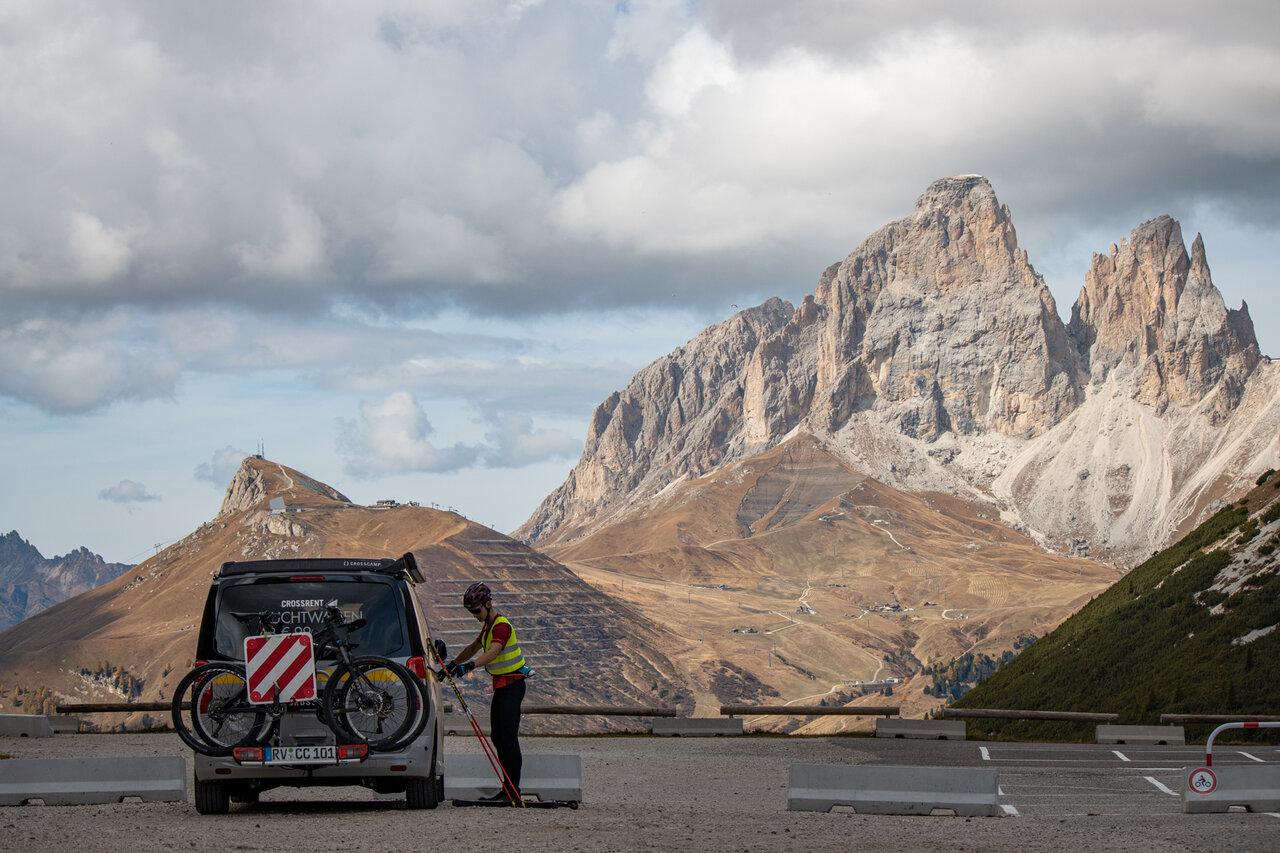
508, 787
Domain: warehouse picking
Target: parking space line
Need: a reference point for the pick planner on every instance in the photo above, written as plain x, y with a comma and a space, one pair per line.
1120, 755
1010, 810
1254, 757
986, 753
1160, 785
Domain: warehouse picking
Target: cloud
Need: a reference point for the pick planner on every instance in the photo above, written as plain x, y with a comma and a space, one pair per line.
391, 438
394, 438
222, 467
516, 444
127, 492
81, 364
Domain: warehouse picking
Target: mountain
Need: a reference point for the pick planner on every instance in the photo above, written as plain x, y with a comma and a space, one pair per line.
134, 638
796, 578
1193, 630
30, 582
933, 358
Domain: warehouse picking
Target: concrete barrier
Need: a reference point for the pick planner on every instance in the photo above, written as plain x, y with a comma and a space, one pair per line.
25, 725
456, 723
1255, 787
924, 729
470, 776
696, 726
883, 789
63, 724
1145, 735
87, 781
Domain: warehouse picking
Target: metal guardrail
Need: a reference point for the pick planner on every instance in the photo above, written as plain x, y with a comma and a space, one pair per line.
810, 710
996, 714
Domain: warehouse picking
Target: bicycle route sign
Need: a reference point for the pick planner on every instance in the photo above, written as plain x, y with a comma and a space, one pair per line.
280, 668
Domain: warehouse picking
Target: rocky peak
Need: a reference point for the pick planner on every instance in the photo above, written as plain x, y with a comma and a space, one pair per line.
945, 323
258, 480
1150, 310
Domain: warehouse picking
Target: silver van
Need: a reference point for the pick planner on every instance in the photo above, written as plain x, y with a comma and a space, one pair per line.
299, 749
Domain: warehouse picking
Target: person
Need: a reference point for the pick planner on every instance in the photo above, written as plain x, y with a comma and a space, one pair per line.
500, 655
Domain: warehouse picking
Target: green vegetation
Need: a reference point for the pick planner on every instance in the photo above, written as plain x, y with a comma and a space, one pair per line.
1157, 642
952, 680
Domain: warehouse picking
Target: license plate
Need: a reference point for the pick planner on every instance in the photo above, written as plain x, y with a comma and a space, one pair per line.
301, 755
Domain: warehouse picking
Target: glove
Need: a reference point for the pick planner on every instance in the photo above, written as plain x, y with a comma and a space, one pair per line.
457, 670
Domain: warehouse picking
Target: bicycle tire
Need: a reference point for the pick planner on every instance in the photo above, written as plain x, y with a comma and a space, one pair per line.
375, 701
222, 717
180, 722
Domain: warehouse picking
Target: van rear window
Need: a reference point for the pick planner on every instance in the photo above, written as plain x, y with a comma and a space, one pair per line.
302, 606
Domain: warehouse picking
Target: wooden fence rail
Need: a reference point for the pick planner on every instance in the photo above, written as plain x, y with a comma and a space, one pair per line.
117, 707
580, 710
599, 710
994, 714
1214, 719
810, 710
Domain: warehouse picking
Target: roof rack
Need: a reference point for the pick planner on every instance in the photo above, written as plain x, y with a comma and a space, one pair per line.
406, 565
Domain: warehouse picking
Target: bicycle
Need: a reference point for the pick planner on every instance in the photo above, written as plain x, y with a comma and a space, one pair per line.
369, 699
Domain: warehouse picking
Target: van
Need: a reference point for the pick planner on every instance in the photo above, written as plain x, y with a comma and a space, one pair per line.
298, 594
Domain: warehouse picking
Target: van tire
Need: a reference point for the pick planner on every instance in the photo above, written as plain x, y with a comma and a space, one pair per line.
212, 797
422, 793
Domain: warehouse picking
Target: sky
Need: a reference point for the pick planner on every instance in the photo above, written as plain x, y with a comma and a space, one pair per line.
407, 247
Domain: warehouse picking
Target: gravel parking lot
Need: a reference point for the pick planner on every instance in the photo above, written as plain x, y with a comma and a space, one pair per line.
651, 793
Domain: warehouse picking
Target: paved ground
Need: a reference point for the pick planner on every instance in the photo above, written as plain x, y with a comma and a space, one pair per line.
712, 795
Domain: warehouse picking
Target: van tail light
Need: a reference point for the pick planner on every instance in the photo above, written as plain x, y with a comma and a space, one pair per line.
417, 665
353, 752
248, 754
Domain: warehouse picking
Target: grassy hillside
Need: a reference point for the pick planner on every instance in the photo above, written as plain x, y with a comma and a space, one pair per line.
1182, 633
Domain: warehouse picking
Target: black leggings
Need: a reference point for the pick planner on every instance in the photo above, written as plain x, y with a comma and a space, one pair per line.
504, 728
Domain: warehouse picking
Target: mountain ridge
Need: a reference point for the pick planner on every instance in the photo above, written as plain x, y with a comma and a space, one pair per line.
933, 357
31, 582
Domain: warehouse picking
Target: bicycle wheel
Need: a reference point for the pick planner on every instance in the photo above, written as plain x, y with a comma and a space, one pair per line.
374, 701
182, 696
221, 714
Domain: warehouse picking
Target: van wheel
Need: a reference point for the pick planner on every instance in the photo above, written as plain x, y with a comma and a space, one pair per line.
422, 793
212, 797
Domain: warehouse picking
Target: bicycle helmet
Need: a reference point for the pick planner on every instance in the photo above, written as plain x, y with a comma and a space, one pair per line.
476, 596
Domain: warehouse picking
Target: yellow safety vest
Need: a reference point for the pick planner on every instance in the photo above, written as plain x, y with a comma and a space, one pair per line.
511, 658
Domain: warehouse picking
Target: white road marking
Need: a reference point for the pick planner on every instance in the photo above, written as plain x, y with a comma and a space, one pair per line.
1120, 755
1160, 785
1254, 757
1010, 810
986, 754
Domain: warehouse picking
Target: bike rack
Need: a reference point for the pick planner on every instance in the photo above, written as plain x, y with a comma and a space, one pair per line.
1208, 747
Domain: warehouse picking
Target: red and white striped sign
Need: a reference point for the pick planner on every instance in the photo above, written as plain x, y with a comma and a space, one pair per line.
280, 667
